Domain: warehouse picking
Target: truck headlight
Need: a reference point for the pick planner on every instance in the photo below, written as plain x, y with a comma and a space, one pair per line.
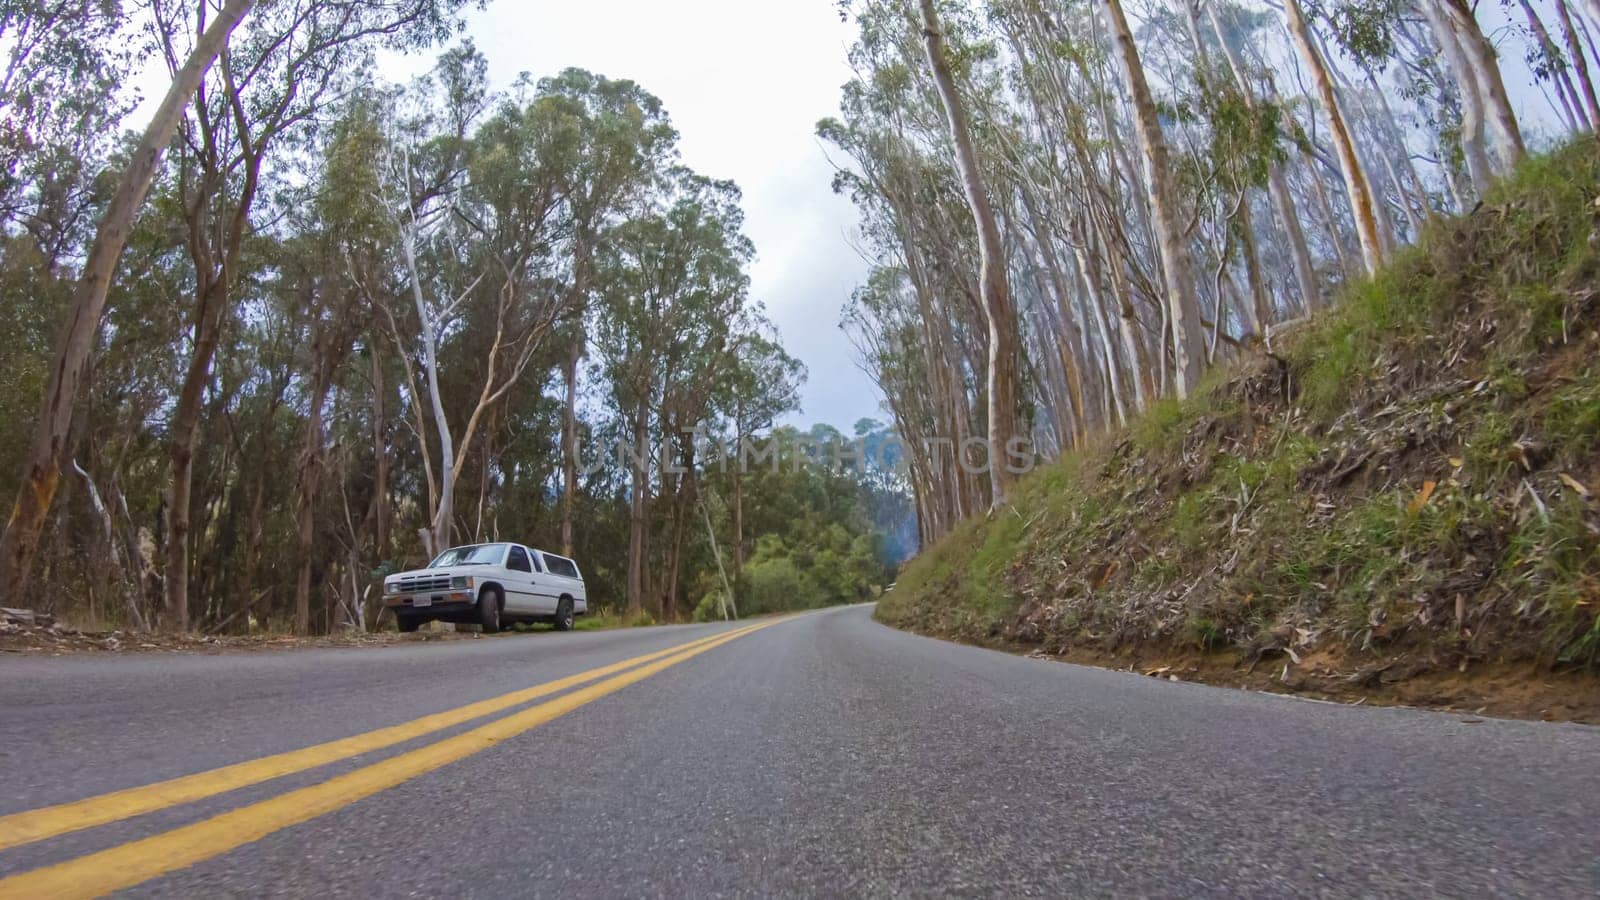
461, 581
391, 587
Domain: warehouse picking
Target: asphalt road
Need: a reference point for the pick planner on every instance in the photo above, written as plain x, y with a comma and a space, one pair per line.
819, 755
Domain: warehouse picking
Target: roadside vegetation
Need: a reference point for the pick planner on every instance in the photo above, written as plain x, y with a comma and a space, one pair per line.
1409, 484
358, 321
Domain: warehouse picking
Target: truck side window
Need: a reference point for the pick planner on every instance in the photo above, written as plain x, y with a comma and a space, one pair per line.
518, 560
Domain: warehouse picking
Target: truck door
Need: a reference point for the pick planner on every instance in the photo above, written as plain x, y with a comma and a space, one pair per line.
522, 584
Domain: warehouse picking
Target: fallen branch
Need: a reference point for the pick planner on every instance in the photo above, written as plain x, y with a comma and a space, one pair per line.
239, 612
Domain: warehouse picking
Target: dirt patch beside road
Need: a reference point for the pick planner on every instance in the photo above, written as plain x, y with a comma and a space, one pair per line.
24, 632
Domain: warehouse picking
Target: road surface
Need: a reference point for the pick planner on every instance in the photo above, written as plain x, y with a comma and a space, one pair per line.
823, 754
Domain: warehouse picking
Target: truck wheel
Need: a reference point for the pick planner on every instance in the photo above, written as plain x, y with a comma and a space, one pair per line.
407, 624
564, 614
489, 610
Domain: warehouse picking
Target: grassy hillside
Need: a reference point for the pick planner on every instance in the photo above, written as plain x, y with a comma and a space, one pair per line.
1409, 485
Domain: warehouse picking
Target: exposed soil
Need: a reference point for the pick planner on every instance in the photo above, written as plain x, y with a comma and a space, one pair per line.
1508, 691
47, 638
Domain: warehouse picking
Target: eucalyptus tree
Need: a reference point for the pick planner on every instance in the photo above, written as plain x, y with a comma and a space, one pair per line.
673, 281
289, 64
764, 384
624, 142
993, 287
61, 99
1358, 186
40, 470
1141, 165
1283, 201
1183, 306
338, 246
476, 210
1484, 67
918, 222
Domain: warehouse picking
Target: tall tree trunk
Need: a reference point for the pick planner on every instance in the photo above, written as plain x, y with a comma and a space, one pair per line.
1128, 327
738, 492
380, 458
141, 574
216, 265
40, 472
182, 430
638, 497
569, 444
1260, 303
1580, 64
1069, 337
1305, 272
436, 538
1479, 167
1182, 300
1124, 406
1502, 121
1359, 189
1574, 110
716, 554
997, 306
116, 574
307, 483
1258, 293
683, 501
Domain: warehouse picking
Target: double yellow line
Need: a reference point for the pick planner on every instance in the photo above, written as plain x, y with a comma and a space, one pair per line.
138, 861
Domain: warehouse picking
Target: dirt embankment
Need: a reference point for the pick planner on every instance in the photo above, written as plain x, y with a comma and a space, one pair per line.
1399, 505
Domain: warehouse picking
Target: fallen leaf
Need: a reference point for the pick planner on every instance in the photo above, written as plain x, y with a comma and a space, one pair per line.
1576, 485
1457, 462
1423, 496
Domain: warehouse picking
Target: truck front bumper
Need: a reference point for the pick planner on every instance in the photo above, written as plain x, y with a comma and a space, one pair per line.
446, 602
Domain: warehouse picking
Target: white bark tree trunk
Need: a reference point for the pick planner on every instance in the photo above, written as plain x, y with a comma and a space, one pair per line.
1362, 204
1182, 301
996, 292
438, 536
1479, 167
1502, 121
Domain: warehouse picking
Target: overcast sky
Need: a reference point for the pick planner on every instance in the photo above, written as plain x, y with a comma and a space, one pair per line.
745, 82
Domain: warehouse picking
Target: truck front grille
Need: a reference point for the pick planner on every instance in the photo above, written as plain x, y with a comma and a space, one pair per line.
425, 584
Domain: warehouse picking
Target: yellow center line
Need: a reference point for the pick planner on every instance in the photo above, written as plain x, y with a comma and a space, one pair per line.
36, 825
138, 861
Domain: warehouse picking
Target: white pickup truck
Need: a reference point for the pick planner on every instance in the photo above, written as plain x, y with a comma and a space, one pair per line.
489, 585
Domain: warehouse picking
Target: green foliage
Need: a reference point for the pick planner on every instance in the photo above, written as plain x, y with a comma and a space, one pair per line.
557, 240
1365, 28
817, 561
776, 582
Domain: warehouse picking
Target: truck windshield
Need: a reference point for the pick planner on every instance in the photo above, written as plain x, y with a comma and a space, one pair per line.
477, 555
